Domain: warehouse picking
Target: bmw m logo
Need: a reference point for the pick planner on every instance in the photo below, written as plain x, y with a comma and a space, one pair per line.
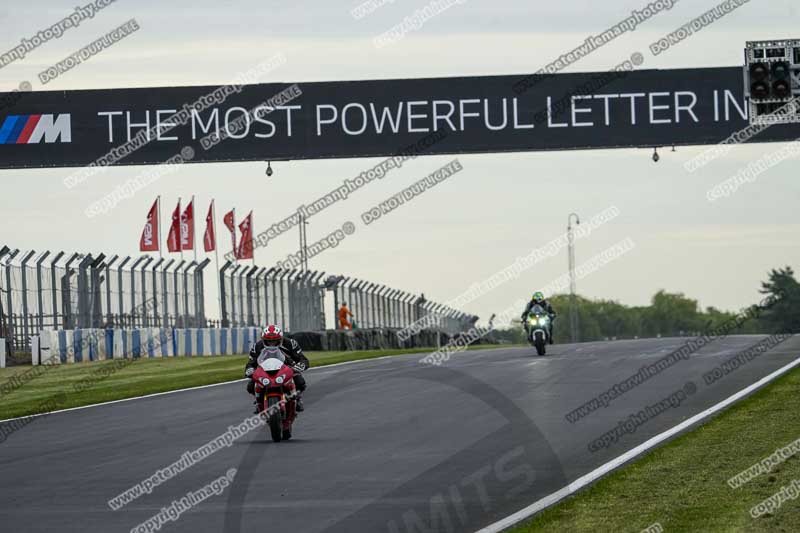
32, 129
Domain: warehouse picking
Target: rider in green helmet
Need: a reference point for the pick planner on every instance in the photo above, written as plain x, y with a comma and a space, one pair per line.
538, 299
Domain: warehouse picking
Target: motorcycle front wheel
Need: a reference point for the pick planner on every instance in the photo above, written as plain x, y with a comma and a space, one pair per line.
540, 344
275, 422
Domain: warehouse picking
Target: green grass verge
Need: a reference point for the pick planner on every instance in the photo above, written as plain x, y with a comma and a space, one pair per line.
683, 485
104, 381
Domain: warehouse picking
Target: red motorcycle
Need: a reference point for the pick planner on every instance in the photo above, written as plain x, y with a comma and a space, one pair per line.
275, 388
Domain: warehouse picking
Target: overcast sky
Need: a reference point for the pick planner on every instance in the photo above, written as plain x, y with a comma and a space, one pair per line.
499, 208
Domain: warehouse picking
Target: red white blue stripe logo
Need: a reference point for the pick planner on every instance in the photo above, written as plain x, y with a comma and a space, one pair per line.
34, 129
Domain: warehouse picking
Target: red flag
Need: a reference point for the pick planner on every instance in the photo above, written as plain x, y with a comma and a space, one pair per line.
173, 241
209, 239
149, 240
187, 227
228, 220
245, 250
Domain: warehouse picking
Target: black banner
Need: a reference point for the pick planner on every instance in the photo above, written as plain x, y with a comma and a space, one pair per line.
376, 118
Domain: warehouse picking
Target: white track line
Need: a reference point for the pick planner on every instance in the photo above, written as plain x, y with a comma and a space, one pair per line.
601, 471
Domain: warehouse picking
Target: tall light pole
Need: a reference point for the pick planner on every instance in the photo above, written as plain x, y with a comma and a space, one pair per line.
303, 243
573, 309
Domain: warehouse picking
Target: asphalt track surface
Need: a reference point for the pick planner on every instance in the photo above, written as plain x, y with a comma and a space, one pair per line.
384, 445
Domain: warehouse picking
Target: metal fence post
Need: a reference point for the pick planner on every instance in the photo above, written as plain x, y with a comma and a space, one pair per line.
120, 273
133, 290
257, 290
23, 269
144, 321
362, 303
39, 291
266, 282
96, 300
275, 278
380, 307
393, 309
66, 289
335, 289
319, 302
249, 287
200, 293
224, 322
290, 295
154, 272
9, 305
54, 287
233, 295
186, 313
165, 299
175, 273
109, 316
371, 303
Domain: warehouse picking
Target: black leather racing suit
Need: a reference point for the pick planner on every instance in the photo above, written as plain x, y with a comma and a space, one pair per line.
293, 353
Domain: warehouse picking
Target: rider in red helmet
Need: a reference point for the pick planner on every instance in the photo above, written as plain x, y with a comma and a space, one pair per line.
272, 336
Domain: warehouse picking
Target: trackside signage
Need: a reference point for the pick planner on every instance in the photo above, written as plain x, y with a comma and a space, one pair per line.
641, 108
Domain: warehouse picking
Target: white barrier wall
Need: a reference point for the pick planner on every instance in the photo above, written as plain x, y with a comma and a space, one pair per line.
80, 345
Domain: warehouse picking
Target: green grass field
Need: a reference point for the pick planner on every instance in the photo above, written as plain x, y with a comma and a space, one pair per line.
103, 381
683, 485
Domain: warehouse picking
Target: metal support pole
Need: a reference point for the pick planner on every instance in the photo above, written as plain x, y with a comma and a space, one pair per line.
186, 314
233, 295
39, 292
120, 273
54, 287
240, 292
165, 300
155, 291
23, 269
109, 317
176, 296
145, 320
249, 287
283, 312
267, 279
66, 304
256, 290
224, 322
573, 307
375, 300
277, 274
133, 290
96, 301
199, 294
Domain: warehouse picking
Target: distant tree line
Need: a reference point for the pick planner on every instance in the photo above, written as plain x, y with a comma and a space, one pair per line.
672, 315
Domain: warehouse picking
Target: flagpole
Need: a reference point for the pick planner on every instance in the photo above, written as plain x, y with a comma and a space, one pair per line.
180, 232
194, 227
235, 252
216, 256
158, 201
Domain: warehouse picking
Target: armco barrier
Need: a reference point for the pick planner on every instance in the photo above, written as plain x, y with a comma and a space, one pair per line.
80, 345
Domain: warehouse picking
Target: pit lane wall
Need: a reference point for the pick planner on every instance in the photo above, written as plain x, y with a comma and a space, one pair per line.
84, 345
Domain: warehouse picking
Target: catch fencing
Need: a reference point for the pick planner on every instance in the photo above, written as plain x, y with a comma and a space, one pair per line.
57, 291
296, 299
63, 292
